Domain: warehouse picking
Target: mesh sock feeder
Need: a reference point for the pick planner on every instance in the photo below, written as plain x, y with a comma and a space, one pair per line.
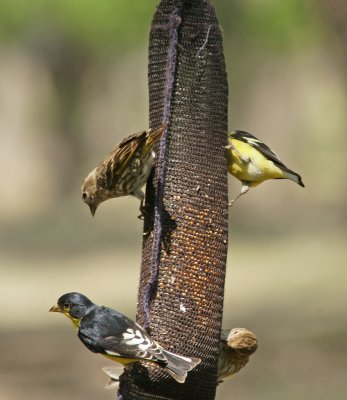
186, 222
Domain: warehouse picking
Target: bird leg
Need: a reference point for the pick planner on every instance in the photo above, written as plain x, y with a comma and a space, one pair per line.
142, 210
244, 190
141, 196
114, 374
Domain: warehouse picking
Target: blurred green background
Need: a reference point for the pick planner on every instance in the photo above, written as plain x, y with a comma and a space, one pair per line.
73, 83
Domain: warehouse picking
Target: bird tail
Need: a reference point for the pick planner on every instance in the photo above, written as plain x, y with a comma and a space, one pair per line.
178, 366
293, 176
154, 135
114, 373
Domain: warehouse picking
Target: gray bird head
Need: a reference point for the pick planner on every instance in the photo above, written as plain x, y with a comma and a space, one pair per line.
74, 305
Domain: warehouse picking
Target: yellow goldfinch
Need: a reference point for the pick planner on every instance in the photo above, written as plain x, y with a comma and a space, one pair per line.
253, 162
110, 333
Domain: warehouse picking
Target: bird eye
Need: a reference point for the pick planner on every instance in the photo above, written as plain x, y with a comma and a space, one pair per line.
84, 196
66, 305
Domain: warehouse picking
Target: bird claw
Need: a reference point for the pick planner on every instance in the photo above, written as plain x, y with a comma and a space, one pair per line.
142, 211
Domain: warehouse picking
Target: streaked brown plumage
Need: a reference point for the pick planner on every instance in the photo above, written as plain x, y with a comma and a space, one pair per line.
124, 171
235, 348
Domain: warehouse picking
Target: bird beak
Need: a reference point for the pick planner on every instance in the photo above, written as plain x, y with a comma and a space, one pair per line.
92, 208
55, 308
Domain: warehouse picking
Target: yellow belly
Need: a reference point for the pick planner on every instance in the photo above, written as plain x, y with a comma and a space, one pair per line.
257, 170
122, 360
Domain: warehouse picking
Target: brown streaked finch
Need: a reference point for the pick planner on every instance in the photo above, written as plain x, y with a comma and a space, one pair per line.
236, 346
124, 171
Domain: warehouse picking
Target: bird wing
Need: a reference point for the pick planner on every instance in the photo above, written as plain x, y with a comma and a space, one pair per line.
108, 332
134, 344
258, 144
111, 169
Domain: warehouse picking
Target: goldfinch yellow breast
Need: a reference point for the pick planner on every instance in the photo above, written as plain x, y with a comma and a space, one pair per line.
258, 169
253, 162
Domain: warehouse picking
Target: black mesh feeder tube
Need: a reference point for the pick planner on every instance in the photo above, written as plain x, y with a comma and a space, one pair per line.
186, 221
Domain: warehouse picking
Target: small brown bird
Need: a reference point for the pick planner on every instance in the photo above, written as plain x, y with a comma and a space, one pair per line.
124, 171
235, 348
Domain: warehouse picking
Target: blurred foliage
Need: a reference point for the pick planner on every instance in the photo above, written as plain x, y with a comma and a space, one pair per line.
279, 25
100, 25
73, 83
89, 58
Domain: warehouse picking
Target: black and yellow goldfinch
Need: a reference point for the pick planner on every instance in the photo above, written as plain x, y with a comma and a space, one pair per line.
253, 162
236, 346
110, 333
124, 171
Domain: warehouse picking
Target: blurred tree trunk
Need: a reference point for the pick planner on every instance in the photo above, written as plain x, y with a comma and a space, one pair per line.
67, 64
336, 12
